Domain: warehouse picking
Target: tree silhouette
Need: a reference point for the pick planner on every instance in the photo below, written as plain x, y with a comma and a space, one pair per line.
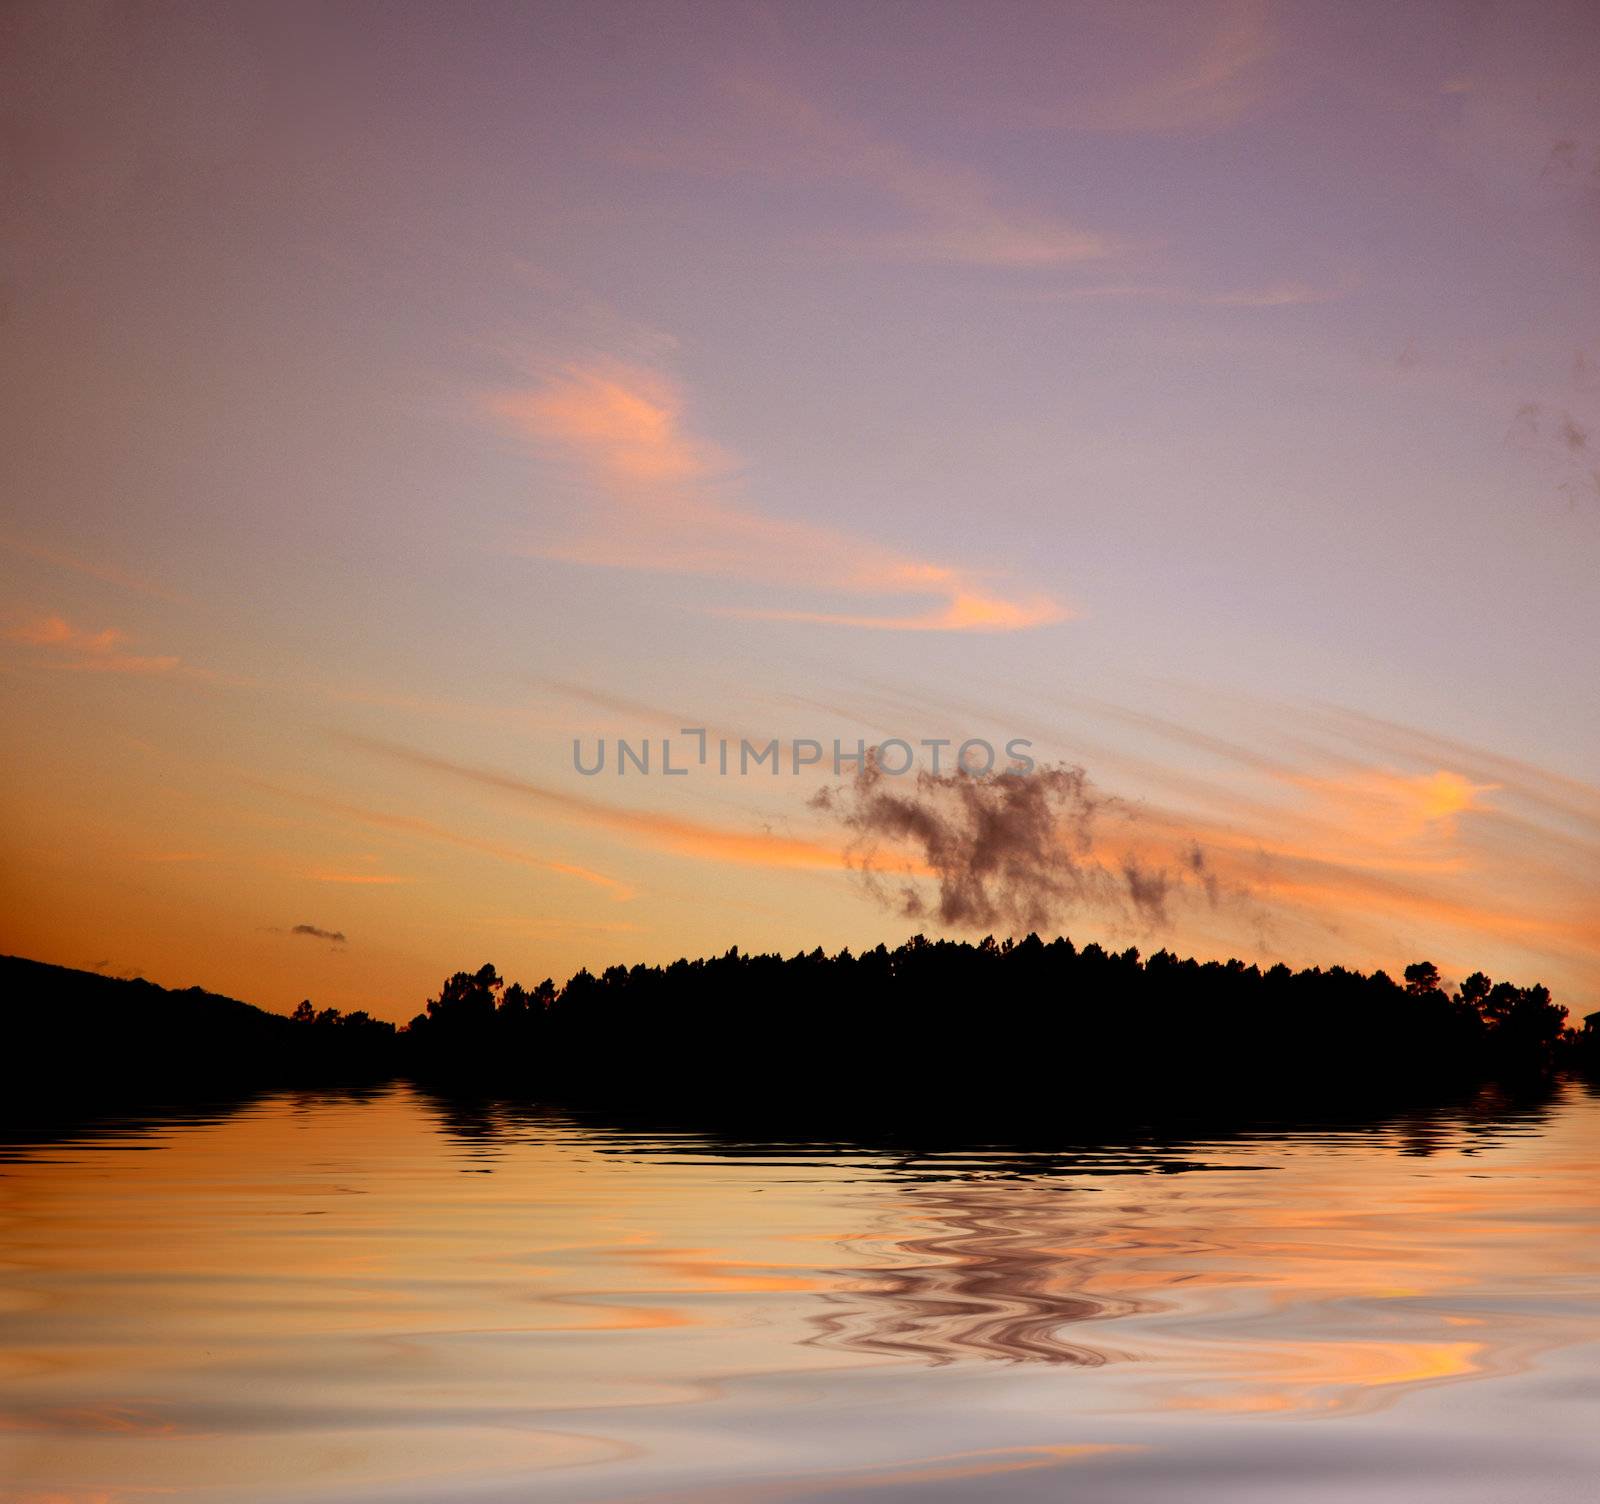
931, 1029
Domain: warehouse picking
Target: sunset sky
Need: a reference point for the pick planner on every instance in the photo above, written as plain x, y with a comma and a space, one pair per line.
1206, 393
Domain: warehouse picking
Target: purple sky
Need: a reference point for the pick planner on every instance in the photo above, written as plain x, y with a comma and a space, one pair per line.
1210, 393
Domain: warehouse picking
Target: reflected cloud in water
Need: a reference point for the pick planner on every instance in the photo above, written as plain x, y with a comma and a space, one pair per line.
994, 1274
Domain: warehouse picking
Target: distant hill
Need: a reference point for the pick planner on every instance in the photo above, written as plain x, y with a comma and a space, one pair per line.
76, 1034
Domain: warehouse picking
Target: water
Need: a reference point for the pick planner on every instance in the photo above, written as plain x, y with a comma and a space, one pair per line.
393, 1298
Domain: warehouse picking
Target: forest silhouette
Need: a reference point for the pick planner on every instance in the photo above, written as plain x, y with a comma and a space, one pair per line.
939, 1030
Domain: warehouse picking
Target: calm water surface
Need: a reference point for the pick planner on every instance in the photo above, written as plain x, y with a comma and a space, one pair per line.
393, 1298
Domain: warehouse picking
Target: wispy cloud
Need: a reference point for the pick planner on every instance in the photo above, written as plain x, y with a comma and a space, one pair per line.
1391, 809
1187, 68
686, 837
1290, 294
1571, 801
430, 831
674, 504
939, 211
953, 213
99, 652
966, 611
105, 651
94, 570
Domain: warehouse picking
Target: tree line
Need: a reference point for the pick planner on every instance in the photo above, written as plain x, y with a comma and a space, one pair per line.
931, 1027
1019, 1026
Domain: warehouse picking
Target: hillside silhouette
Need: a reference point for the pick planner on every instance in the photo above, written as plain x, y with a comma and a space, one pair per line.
936, 1029
82, 1036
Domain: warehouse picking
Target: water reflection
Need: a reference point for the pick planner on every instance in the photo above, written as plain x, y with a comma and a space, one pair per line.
997, 1271
489, 1125
315, 1296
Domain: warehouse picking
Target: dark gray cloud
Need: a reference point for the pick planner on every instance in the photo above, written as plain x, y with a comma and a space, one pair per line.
1147, 889
1007, 850
1201, 869
1014, 851
336, 936
1557, 438
1524, 430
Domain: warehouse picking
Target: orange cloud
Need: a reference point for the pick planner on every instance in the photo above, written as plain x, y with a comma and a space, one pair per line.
1375, 816
967, 612
668, 832
1390, 862
672, 509
1407, 804
1382, 845
626, 420
1554, 794
414, 825
95, 652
